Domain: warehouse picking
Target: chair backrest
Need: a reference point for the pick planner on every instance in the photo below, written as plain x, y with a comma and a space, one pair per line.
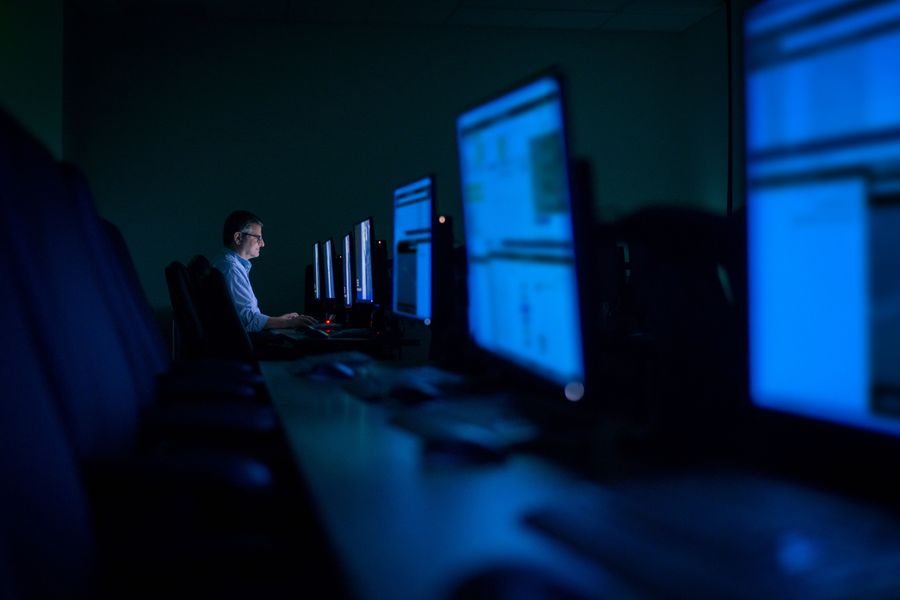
44, 516
142, 344
680, 293
225, 335
46, 545
191, 338
197, 267
158, 359
71, 315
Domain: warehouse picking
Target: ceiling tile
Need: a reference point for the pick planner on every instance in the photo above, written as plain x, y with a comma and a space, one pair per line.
651, 22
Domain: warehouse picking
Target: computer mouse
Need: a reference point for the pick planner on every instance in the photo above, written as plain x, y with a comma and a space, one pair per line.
514, 582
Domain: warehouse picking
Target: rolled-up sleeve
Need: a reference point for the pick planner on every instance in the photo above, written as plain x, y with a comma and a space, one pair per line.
246, 305
237, 279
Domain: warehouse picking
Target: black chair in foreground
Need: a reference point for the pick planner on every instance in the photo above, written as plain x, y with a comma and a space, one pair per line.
152, 515
190, 342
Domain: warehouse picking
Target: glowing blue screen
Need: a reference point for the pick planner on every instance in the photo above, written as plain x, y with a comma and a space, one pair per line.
823, 208
412, 249
317, 272
362, 260
329, 270
347, 279
523, 295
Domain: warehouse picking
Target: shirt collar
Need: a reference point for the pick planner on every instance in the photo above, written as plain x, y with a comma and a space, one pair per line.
240, 260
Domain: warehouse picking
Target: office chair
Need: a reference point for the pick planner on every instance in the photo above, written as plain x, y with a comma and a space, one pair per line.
225, 335
223, 327
78, 406
191, 342
197, 268
683, 305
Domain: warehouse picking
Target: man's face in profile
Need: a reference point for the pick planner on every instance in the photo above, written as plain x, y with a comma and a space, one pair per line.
251, 241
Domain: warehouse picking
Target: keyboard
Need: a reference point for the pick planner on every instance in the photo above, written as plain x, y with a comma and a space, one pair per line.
380, 384
485, 420
310, 364
734, 535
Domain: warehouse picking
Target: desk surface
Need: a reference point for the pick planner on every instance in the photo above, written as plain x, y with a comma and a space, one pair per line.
405, 528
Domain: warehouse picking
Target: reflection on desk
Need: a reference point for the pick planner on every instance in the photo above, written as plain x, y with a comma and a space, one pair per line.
405, 525
406, 528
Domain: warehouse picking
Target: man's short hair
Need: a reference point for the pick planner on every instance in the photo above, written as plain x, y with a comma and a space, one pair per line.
237, 221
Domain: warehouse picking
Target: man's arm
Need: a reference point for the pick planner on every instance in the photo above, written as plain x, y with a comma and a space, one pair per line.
244, 301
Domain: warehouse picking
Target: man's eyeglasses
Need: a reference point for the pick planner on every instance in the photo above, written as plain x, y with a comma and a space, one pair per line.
258, 237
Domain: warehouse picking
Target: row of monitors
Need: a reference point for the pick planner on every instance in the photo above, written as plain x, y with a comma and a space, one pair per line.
350, 274
822, 168
349, 269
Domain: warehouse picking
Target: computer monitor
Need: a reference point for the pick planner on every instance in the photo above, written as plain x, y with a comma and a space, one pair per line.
362, 261
328, 270
346, 271
317, 271
524, 302
381, 274
822, 173
413, 216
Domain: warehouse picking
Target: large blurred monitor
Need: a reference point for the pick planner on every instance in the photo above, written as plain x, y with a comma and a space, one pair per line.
346, 271
362, 261
413, 215
328, 270
822, 104
522, 283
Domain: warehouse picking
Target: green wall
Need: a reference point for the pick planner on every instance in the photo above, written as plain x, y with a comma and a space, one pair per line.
31, 67
179, 122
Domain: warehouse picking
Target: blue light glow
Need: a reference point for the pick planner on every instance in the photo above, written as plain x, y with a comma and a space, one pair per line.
317, 272
413, 208
362, 256
523, 297
823, 203
348, 279
329, 270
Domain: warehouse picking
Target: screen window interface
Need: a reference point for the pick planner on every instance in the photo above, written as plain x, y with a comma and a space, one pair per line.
347, 281
523, 300
317, 272
329, 270
822, 89
412, 250
362, 259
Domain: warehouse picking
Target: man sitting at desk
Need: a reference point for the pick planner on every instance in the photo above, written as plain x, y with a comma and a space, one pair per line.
242, 237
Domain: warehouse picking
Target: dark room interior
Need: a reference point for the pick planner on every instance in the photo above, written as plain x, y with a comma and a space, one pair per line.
556, 299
